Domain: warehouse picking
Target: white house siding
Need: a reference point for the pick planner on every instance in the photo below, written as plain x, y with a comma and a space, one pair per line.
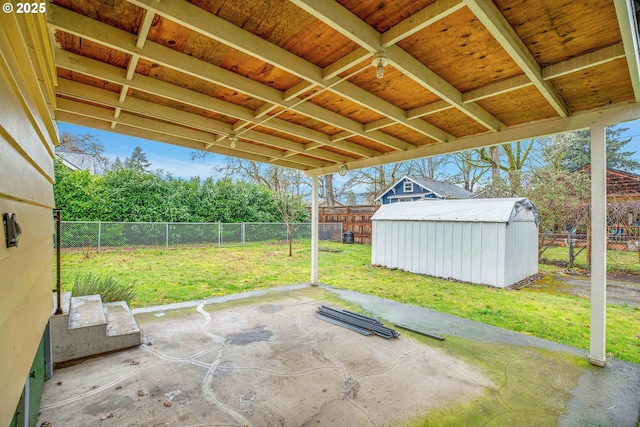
26, 177
497, 252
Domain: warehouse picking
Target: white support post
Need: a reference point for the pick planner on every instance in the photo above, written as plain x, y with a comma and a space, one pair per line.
314, 230
598, 244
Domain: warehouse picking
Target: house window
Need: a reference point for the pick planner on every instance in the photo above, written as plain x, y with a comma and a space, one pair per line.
408, 187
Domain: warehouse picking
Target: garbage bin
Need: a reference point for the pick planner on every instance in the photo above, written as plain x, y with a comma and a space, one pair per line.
347, 237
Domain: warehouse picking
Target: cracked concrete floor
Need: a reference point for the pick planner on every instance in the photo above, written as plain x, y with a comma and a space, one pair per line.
262, 359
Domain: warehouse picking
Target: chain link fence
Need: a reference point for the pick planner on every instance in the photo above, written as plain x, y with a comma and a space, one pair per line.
572, 250
101, 236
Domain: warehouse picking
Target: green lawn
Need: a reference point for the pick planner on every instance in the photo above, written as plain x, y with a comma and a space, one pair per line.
167, 276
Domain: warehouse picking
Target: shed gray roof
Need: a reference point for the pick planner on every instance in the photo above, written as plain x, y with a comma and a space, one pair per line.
471, 210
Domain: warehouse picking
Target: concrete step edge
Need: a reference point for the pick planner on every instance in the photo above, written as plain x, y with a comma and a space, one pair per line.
86, 311
120, 320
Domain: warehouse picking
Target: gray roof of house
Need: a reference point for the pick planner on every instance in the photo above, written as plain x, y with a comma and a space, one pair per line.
78, 161
443, 189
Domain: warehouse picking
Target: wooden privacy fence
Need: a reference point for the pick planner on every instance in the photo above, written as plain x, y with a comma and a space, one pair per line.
353, 218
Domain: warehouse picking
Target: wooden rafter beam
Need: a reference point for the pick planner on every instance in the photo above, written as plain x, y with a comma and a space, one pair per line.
81, 26
151, 110
420, 20
349, 25
206, 139
487, 12
612, 115
224, 32
625, 12
161, 137
573, 65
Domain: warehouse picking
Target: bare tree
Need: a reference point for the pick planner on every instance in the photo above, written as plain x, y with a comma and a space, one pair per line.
512, 163
84, 144
470, 173
430, 167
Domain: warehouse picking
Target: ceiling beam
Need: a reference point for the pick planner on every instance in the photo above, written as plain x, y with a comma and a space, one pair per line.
625, 12
97, 69
609, 116
583, 62
351, 26
224, 32
420, 20
149, 109
205, 138
573, 65
87, 28
489, 15
160, 137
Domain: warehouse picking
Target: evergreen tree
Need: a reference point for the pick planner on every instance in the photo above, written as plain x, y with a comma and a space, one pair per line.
137, 161
578, 151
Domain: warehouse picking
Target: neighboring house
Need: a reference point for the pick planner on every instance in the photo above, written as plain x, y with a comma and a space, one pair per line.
621, 185
409, 189
78, 161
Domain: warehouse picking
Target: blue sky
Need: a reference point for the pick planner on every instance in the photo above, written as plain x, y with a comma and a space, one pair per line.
175, 160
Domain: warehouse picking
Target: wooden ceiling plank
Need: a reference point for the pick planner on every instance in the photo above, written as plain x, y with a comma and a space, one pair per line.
487, 12
582, 62
343, 21
218, 29
297, 90
625, 12
425, 110
371, 101
420, 20
205, 138
85, 27
100, 70
413, 68
497, 88
378, 124
101, 96
160, 137
146, 108
224, 32
346, 62
348, 24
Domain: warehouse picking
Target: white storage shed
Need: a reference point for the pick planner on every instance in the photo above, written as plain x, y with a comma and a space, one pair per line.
484, 241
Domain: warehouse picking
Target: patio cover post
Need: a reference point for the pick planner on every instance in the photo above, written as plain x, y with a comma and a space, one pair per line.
598, 244
314, 230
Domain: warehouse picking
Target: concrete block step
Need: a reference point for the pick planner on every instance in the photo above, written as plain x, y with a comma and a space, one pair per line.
66, 302
86, 311
120, 321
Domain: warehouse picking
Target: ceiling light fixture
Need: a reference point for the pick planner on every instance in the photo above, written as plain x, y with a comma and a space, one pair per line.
233, 138
380, 60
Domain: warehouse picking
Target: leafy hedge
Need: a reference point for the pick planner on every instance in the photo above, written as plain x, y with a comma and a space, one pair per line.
126, 195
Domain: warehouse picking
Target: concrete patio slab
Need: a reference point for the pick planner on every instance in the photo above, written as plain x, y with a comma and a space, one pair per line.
262, 359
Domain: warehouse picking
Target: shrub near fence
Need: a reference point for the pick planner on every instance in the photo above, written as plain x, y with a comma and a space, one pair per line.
83, 235
570, 250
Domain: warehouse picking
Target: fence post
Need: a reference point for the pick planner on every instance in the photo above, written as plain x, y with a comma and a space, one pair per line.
242, 233
99, 235
219, 234
167, 237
